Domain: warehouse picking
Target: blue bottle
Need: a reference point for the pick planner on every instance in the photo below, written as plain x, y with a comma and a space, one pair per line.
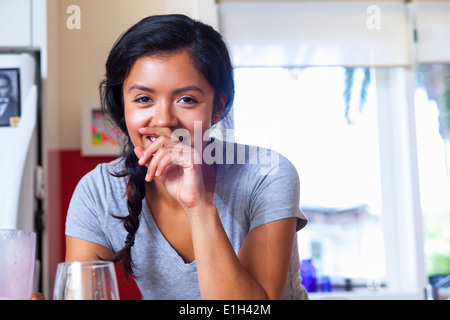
308, 274
325, 284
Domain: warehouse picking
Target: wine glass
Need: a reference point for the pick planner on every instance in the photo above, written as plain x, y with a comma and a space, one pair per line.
86, 280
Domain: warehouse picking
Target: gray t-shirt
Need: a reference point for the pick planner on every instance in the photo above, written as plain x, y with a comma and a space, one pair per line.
248, 193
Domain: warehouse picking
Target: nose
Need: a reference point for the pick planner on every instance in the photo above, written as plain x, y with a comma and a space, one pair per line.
164, 116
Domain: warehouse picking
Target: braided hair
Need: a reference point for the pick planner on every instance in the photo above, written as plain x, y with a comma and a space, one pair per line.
160, 34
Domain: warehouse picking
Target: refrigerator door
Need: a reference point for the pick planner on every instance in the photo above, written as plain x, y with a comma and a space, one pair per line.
18, 144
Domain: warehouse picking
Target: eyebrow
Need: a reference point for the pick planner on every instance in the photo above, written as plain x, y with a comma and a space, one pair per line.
144, 88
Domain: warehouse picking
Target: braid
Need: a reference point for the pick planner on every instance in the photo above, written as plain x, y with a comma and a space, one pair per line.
135, 192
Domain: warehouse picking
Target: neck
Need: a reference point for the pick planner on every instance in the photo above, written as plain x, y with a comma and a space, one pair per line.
157, 190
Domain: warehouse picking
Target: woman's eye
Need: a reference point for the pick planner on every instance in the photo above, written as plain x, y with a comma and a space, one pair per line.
143, 100
188, 100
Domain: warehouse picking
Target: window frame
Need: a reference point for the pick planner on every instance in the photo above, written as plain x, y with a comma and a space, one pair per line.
402, 214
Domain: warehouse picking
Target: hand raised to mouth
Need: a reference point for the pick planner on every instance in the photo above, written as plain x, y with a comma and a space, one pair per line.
175, 164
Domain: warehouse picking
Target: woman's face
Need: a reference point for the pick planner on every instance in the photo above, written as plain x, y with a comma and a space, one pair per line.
167, 92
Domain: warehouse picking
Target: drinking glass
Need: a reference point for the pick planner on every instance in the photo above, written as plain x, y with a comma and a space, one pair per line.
17, 258
86, 280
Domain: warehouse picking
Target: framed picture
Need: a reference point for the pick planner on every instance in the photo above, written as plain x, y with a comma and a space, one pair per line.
99, 136
9, 97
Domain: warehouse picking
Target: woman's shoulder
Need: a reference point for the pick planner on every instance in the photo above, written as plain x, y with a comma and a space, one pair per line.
255, 160
105, 176
114, 167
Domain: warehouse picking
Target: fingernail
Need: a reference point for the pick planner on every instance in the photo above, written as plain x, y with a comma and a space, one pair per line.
147, 177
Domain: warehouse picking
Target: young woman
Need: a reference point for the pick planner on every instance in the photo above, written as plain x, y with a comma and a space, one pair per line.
184, 227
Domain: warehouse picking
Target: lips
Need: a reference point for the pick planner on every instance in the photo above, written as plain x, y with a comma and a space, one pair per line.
153, 138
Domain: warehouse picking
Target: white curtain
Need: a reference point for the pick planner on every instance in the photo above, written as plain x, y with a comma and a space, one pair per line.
317, 33
432, 20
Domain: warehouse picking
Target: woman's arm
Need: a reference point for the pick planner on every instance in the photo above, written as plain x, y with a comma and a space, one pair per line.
258, 272
266, 254
82, 250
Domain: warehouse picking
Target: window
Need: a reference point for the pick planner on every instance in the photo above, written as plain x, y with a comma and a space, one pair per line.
355, 161
371, 179
432, 106
302, 113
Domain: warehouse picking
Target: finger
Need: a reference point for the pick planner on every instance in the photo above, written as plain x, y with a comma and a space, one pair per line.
150, 150
139, 151
37, 296
155, 161
145, 156
165, 162
184, 156
179, 154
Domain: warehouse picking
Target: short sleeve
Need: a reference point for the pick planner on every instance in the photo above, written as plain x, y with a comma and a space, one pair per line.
86, 214
276, 193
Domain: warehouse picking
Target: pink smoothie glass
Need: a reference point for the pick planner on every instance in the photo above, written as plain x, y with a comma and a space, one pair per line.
17, 257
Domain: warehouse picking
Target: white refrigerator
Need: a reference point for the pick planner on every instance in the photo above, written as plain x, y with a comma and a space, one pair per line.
20, 143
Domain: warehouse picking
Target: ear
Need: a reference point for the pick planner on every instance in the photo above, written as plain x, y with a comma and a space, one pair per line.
219, 108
